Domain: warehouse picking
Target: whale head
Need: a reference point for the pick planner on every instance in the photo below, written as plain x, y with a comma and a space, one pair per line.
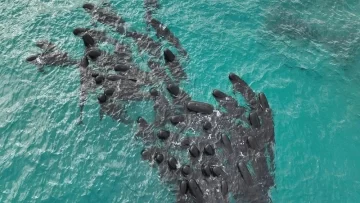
88, 7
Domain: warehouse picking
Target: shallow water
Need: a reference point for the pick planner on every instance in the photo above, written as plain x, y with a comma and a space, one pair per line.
303, 54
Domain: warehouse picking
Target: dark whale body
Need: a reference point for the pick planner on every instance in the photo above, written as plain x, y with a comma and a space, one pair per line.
104, 16
150, 7
164, 32
146, 43
50, 57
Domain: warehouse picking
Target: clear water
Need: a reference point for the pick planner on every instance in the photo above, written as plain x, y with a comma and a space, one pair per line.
303, 54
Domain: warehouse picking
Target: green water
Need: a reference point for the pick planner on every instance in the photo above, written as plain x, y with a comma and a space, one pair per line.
303, 54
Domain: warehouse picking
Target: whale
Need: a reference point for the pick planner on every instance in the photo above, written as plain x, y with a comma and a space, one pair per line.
158, 72
242, 87
86, 84
146, 43
164, 32
45, 45
174, 66
114, 110
151, 4
103, 15
50, 58
162, 108
150, 7
230, 105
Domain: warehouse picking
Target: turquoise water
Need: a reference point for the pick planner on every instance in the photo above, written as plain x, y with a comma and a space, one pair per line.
303, 54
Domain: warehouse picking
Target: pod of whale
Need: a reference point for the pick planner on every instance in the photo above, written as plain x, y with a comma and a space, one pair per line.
230, 151
223, 153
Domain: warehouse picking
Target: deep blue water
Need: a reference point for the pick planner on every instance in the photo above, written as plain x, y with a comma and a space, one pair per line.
303, 54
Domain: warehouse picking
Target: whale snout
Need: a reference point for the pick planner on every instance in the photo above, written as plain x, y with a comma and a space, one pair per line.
88, 6
79, 30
